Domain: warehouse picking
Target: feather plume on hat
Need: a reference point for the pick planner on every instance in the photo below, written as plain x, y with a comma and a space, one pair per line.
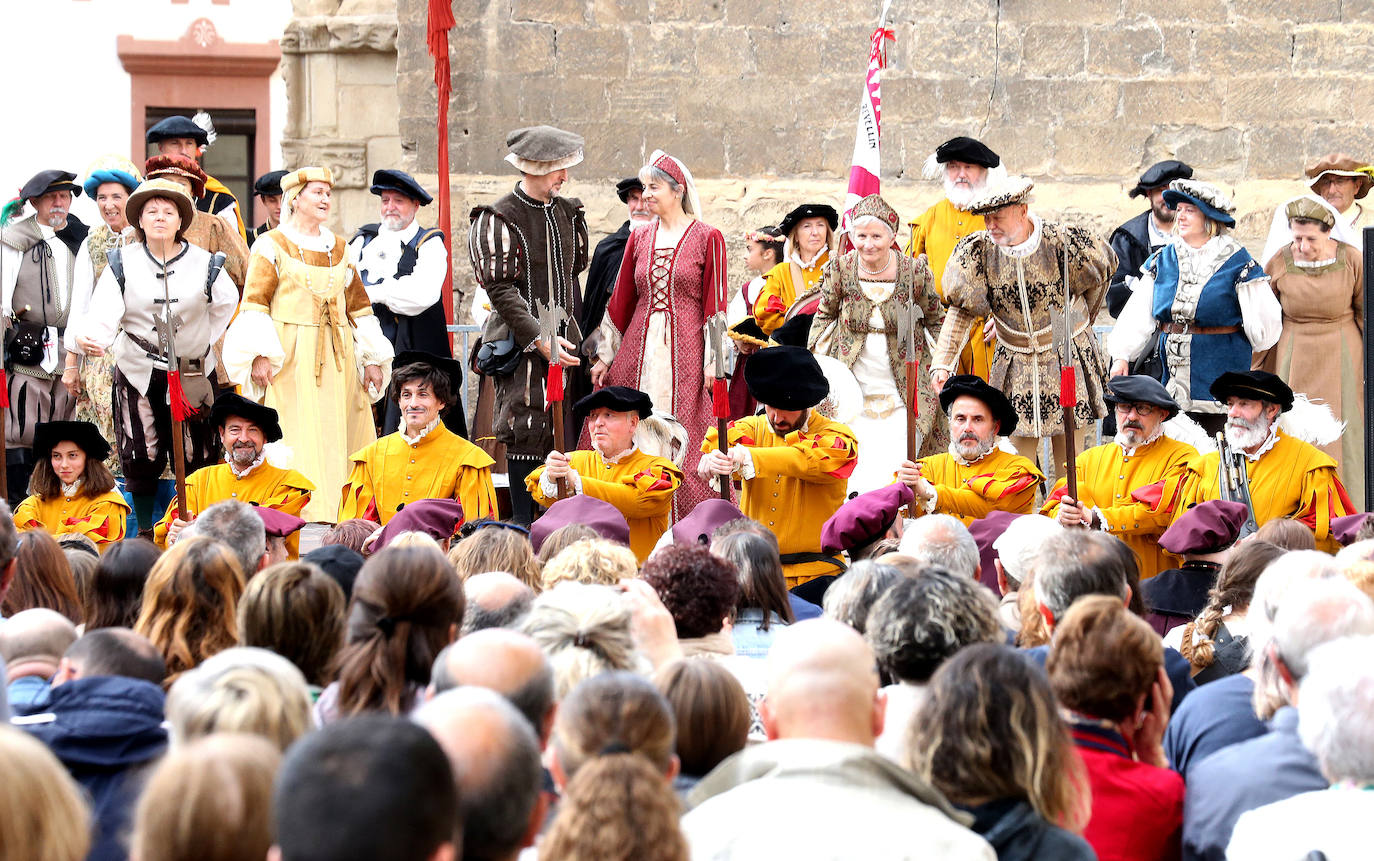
202, 119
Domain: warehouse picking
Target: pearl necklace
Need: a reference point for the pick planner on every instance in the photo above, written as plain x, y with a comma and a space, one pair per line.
864, 269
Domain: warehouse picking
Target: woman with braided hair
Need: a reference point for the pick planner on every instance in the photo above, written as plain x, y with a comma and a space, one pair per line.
1217, 642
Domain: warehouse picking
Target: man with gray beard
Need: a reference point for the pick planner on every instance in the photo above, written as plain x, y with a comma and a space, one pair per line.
1288, 477
975, 476
967, 168
1128, 486
39, 256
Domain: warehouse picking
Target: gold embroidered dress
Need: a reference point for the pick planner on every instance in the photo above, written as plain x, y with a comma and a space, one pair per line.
305, 309
935, 234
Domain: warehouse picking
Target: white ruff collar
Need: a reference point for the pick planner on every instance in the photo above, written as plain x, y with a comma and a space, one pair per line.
619, 457
1159, 432
71, 490
257, 462
424, 432
1268, 443
1030, 245
959, 459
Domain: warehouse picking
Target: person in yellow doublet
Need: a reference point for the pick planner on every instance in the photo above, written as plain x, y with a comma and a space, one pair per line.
306, 341
1288, 477
71, 490
974, 477
638, 484
966, 167
795, 463
1130, 486
810, 232
423, 459
245, 429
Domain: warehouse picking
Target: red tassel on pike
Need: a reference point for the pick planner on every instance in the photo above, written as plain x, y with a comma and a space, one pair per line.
554, 392
1068, 387
720, 399
4, 391
913, 387
176, 398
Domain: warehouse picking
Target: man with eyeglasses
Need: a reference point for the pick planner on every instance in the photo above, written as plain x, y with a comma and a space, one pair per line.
1129, 486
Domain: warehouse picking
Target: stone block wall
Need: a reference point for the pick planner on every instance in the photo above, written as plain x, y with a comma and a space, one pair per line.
759, 97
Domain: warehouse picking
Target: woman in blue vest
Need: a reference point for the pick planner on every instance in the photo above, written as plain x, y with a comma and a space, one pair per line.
1203, 303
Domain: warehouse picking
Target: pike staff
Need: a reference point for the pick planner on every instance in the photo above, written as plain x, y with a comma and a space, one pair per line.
1068, 388
720, 394
550, 316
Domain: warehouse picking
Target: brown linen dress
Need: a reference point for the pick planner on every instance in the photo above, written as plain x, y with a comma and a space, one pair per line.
1321, 351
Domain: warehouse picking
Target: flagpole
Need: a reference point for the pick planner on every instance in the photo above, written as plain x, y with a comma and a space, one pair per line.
866, 162
441, 20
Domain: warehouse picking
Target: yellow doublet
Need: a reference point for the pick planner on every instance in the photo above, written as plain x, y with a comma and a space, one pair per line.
935, 233
639, 485
100, 519
1000, 481
780, 290
270, 486
391, 473
1293, 479
799, 480
1135, 493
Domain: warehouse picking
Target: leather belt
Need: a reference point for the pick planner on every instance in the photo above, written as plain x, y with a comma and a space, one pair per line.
1172, 328
1019, 342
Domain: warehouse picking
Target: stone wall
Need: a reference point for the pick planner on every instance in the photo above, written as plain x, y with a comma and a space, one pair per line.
759, 97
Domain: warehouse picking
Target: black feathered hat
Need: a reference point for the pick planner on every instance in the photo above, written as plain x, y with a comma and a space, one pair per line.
786, 378
234, 404
976, 387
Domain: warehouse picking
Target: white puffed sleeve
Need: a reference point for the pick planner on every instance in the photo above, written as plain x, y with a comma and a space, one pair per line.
1260, 313
252, 334
370, 347
1131, 335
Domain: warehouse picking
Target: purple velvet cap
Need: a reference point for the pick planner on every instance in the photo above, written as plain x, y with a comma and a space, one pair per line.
437, 518
1346, 528
707, 517
599, 514
278, 524
986, 530
865, 518
1205, 528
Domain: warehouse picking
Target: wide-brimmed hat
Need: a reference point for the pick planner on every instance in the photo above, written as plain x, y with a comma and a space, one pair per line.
234, 404
167, 189
1208, 527
974, 386
1140, 389
1255, 386
1008, 192
398, 180
786, 378
86, 436
1209, 199
178, 166
622, 399
177, 127
49, 180
541, 150
1161, 174
865, 518
809, 210
1340, 164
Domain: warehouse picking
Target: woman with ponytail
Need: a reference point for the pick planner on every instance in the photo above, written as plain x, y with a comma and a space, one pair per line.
618, 807
407, 605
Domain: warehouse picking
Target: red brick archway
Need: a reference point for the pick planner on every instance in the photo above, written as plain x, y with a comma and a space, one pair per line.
200, 69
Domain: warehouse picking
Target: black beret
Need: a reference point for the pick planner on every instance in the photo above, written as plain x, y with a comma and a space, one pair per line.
444, 365
976, 387
1161, 174
622, 399
1138, 389
340, 562
46, 435
1255, 386
50, 180
786, 378
234, 404
399, 180
627, 185
809, 210
177, 127
795, 332
269, 184
967, 150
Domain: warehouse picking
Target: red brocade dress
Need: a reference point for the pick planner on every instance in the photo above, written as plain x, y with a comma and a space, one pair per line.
662, 299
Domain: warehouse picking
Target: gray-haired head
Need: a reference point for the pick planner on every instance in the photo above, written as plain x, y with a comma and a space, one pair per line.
1071, 565
851, 596
939, 539
237, 525
921, 621
1020, 543
1314, 612
1336, 710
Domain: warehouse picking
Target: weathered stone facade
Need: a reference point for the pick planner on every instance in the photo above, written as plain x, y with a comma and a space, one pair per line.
759, 97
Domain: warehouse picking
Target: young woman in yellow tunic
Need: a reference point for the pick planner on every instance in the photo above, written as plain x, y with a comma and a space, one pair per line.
810, 232
71, 489
306, 343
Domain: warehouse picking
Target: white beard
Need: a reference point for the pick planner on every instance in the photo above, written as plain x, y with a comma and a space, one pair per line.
957, 447
1241, 434
962, 195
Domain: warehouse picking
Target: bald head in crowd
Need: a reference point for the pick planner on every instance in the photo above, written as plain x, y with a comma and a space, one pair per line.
822, 684
33, 642
495, 757
507, 662
495, 600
